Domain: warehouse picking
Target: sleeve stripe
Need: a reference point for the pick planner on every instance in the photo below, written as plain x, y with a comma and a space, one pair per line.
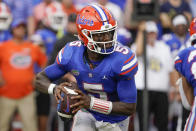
57, 60
60, 55
123, 73
63, 50
178, 61
129, 59
125, 67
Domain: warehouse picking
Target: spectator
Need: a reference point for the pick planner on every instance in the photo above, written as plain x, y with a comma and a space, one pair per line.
43, 108
17, 57
170, 9
22, 9
124, 36
38, 10
71, 31
5, 21
52, 22
158, 75
178, 39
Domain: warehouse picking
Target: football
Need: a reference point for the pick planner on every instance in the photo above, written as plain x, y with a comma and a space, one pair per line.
63, 108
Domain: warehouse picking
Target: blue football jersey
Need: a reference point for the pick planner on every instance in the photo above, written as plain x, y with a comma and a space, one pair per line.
174, 42
185, 64
112, 80
49, 39
5, 35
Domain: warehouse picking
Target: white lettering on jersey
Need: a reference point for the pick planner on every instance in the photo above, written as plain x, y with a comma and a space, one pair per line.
192, 55
95, 88
177, 57
131, 63
193, 66
122, 50
75, 43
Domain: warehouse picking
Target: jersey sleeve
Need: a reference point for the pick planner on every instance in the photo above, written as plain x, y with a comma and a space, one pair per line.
126, 66
127, 91
64, 56
179, 61
59, 68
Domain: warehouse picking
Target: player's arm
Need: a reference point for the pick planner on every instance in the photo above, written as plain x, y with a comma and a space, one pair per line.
186, 92
128, 95
185, 89
43, 81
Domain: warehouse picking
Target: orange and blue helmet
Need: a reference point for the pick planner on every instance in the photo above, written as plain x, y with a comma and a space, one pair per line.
192, 31
93, 20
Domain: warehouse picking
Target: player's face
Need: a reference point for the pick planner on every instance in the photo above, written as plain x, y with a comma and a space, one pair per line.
181, 30
104, 37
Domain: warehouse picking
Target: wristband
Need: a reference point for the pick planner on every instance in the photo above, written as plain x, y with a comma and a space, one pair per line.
51, 88
101, 106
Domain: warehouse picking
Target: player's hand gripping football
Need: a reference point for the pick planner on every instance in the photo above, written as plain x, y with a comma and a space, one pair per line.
60, 88
83, 101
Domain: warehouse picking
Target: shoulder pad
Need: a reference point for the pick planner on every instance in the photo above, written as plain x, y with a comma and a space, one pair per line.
182, 58
125, 63
65, 53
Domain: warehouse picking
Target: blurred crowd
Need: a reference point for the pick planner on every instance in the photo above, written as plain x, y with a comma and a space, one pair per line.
45, 26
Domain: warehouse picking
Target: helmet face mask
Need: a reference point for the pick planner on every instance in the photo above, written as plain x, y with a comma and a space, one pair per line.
98, 35
55, 18
103, 42
57, 21
5, 17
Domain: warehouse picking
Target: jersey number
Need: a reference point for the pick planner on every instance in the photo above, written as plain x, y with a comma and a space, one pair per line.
95, 89
191, 57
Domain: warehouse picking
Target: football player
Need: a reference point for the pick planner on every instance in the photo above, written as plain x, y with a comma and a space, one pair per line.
104, 71
185, 64
5, 21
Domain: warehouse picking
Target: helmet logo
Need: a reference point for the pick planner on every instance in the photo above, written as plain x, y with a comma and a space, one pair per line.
84, 21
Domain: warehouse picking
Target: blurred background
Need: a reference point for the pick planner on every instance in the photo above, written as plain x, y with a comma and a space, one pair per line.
156, 30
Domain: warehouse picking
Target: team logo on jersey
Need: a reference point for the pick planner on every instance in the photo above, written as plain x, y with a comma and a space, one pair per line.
20, 60
90, 75
75, 72
105, 78
155, 64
